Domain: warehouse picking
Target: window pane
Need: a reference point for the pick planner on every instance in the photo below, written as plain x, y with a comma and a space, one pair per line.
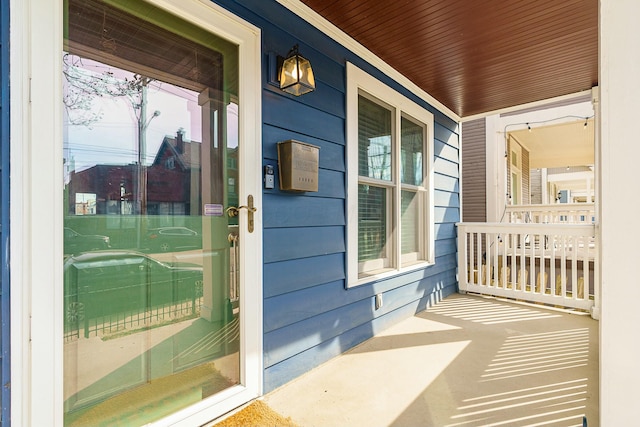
372, 222
85, 204
410, 222
151, 310
374, 140
412, 152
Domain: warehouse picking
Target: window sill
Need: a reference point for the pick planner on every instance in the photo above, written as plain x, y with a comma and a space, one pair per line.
386, 273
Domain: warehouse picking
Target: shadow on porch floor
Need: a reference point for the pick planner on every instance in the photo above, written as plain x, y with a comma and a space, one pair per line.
467, 361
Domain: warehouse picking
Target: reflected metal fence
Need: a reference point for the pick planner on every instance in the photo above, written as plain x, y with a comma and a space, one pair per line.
78, 323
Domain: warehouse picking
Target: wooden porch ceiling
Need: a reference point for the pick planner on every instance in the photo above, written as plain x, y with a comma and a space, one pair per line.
478, 56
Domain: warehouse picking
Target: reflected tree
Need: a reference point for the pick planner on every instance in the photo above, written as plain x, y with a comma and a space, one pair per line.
84, 87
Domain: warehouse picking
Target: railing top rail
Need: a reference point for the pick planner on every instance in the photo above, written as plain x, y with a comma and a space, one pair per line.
556, 207
532, 228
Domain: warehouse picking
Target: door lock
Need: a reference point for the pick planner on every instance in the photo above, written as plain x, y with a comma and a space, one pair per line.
233, 211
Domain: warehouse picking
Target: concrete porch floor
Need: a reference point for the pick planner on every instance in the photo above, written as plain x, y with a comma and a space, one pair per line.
467, 361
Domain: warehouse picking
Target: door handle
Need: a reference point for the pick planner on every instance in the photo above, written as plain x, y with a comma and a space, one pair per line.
233, 211
234, 285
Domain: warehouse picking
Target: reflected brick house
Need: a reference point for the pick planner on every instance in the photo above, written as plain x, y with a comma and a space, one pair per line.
173, 181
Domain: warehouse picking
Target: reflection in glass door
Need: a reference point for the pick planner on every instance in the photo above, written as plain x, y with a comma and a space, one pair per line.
151, 296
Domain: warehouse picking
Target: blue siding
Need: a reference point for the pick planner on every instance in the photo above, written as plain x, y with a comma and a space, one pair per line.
335, 323
295, 306
292, 275
5, 332
293, 115
309, 316
446, 151
318, 211
332, 154
283, 244
446, 198
290, 368
446, 183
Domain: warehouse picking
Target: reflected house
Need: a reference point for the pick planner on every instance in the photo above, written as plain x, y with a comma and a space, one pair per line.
173, 182
106, 183
169, 182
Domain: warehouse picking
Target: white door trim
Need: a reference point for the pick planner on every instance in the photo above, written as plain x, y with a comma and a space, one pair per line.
37, 213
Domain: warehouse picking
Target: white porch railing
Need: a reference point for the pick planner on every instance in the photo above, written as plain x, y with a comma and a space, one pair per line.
559, 213
547, 263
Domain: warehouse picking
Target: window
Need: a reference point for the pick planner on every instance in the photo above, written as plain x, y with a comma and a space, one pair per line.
389, 144
170, 163
85, 204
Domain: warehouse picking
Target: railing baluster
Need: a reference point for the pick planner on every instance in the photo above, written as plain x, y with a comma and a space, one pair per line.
502, 265
470, 254
563, 266
585, 267
486, 258
523, 266
532, 266
517, 242
479, 257
542, 273
574, 267
463, 267
498, 249
552, 266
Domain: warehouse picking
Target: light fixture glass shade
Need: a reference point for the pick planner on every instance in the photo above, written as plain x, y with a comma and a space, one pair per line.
296, 75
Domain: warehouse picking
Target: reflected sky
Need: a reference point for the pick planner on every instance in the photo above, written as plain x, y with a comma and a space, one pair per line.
110, 135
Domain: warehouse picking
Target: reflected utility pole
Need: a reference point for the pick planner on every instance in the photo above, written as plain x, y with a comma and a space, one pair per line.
143, 124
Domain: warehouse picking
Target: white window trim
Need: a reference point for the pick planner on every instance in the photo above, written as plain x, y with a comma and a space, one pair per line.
358, 80
36, 210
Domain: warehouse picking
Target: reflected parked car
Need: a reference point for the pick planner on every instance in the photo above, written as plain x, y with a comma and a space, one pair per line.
106, 283
75, 242
165, 239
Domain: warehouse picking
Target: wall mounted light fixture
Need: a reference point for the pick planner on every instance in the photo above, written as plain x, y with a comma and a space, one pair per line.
295, 74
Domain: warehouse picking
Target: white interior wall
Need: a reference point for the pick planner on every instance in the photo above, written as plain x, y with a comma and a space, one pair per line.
619, 153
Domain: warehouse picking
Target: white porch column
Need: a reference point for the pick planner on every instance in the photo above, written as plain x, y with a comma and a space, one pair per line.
496, 183
620, 151
545, 186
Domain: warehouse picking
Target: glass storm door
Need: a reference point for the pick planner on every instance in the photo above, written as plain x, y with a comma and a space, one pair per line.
151, 256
